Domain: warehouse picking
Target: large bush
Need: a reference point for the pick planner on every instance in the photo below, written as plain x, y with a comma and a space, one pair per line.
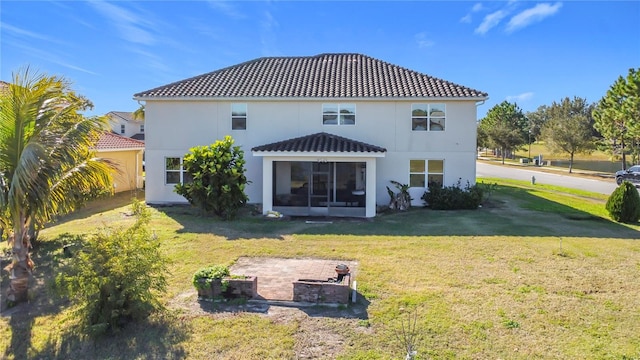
453, 197
623, 204
218, 178
116, 276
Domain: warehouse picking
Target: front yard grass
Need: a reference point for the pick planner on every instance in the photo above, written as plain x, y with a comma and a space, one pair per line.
535, 273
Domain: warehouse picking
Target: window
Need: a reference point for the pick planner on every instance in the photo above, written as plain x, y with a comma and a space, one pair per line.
122, 129
142, 128
427, 172
428, 117
338, 114
174, 172
238, 116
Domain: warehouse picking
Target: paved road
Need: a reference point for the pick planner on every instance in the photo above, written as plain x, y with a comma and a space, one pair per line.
605, 186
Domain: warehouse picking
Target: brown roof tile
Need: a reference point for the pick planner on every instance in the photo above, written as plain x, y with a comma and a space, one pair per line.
320, 142
111, 141
320, 76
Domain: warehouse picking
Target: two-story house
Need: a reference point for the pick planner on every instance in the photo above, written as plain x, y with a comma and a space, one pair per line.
322, 135
124, 124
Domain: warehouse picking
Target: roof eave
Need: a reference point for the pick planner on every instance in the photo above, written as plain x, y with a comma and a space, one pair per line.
257, 98
320, 154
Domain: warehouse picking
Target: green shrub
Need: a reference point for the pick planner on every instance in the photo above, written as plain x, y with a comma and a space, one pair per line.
624, 203
117, 276
208, 274
453, 197
218, 178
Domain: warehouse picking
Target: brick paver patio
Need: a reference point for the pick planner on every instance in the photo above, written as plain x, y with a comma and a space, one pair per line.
276, 275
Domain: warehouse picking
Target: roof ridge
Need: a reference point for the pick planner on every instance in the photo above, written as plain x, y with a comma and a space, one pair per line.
325, 75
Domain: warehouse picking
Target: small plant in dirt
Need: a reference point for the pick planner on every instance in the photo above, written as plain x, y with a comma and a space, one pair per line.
203, 278
624, 204
408, 333
218, 177
454, 197
117, 276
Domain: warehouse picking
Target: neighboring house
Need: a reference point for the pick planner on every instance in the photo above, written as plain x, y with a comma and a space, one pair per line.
127, 154
123, 123
322, 135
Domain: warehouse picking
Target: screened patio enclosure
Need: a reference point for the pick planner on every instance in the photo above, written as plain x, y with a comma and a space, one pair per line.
319, 188
319, 175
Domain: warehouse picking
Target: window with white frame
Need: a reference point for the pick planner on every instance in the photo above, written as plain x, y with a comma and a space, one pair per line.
428, 117
122, 129
174, 172
338, 114
425, 173
238, 116
142, 128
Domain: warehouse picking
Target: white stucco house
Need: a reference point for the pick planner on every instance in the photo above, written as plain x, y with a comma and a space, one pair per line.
124, 124
322, 135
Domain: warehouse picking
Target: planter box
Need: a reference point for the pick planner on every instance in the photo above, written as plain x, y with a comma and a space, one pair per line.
236, 288
242, 288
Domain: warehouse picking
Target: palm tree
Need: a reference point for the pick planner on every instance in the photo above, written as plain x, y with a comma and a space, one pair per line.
139, 113
46, 159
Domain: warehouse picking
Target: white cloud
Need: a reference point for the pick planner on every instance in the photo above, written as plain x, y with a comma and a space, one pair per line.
532, 15
423, 41
491, 21
467, 18
129, 24
268, 37
226, 8
520, 98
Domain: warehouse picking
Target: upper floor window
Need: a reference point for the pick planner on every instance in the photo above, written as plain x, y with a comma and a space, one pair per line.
428, 117
338, 114
426, 173
238, 116
174, 172
122, 129
142, 128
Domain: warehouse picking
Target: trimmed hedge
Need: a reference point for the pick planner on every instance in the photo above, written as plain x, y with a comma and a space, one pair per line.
453, 197
624, 203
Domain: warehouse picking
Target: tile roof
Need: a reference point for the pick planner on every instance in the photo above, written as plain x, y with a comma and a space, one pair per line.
111, 141
320, 142
320, 76
138, 136
124, 115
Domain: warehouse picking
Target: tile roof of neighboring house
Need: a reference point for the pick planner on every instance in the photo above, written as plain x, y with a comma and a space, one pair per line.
320, 142
138, 136
320, 76
111, 141
4, 86
124, 115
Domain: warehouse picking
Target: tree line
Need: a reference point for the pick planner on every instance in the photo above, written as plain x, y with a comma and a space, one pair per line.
571, 125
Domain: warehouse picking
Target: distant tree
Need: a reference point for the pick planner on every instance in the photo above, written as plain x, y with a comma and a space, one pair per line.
569, 128
537, 119
617, 115
46, 159
505, 127
218, 178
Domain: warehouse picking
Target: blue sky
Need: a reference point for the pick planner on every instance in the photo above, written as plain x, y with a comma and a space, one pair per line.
528, 52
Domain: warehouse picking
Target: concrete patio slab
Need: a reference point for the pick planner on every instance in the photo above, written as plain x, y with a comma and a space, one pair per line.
276, 275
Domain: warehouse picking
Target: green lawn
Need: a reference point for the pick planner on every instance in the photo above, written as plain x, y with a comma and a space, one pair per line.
537, 272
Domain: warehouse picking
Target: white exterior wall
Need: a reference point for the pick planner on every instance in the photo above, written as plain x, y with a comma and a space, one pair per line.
130, 128
172, 127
